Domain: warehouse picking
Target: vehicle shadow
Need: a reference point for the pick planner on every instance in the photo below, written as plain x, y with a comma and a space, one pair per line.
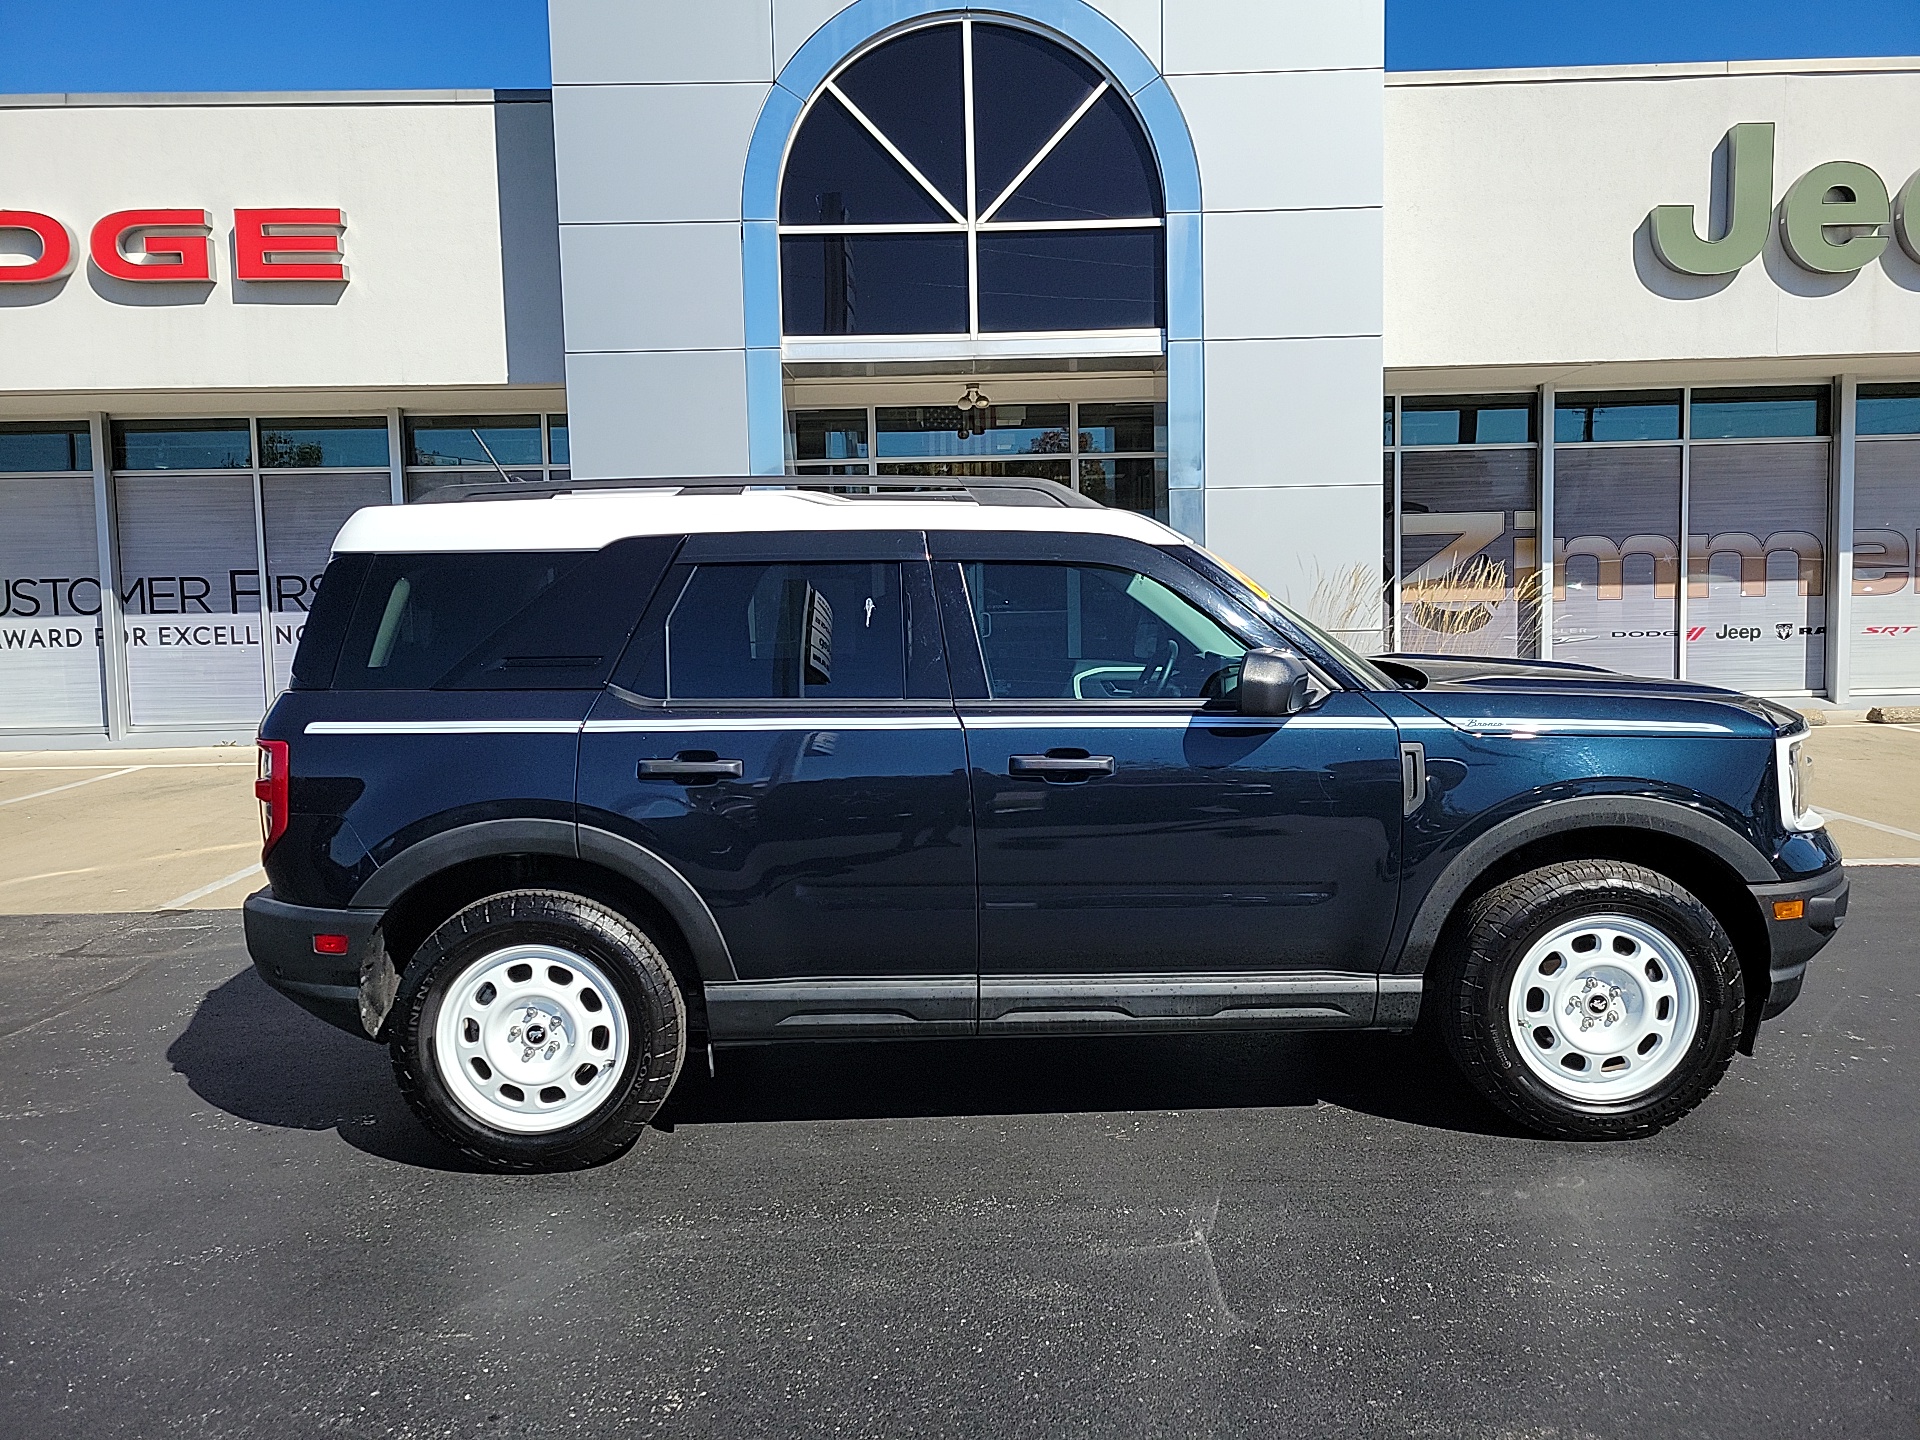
259, 1057
1395, 1077
250, 1053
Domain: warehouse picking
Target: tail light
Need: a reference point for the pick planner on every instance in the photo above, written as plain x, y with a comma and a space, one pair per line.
271, 791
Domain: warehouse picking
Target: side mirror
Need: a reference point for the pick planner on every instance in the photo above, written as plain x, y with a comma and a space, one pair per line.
1274, 682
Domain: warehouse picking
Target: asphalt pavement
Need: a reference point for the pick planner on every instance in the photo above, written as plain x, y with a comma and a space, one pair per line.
218, 1219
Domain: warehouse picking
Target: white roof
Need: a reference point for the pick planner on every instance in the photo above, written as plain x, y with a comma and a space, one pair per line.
587, 520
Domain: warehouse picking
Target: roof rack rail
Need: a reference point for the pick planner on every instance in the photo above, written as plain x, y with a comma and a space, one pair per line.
986, 490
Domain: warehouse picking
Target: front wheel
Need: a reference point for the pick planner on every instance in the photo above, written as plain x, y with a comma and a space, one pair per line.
538, 1031
1591, 999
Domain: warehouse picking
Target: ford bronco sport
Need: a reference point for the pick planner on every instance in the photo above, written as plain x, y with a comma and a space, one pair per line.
567, 785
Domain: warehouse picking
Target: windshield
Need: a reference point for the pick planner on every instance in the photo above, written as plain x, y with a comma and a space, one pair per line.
1249, 593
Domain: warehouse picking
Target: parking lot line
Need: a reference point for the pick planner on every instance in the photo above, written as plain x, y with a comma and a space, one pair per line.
71, 785
1870, 824
180, 902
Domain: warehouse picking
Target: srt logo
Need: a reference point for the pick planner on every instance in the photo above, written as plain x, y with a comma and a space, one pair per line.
1891, 629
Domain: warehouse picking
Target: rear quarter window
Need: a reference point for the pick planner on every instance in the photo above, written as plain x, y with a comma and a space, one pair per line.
502, 620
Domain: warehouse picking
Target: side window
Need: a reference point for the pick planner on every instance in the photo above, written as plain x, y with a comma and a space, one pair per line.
502, 620
788, 632
1095, 632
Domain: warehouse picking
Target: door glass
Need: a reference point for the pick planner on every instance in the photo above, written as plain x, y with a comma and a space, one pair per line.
1616, 601
50, 672
787, 632
1886, 542
1756, 566
190, 589
1095, 632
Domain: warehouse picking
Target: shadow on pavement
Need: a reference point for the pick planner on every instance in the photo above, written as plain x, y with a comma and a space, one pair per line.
1394, 1077
254, 1055
259, 1057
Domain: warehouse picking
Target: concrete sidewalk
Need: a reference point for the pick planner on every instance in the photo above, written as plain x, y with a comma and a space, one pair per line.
91, 832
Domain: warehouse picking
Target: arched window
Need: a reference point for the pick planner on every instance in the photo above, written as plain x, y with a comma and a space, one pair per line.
970, 179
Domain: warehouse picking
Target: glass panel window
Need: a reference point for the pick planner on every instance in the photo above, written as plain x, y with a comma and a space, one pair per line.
913, 89
879, 237
830, 435
839, 174
927, 430
1139, 485
1466, 420
1618, 415
1759, 414
1386, 424
27, 449
1025, 88
1058, 471
303, 513
873, 284
329, 444
1882, 410
1756, 566
1616, 599
1132, 427
484, 440
788, 632
190, 591
1886, 566
1071, 280
1094, 632
1103, 170
181, 445
51, 676
1469, 574
558, 450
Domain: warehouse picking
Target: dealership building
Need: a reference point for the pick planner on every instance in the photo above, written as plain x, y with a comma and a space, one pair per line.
1619, 366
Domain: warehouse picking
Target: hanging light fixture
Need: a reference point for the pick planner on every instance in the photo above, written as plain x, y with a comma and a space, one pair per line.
972, 406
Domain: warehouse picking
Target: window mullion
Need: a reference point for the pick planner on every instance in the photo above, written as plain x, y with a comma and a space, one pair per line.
973, 206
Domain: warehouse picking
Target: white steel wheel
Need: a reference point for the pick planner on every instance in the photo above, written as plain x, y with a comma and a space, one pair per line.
1603, 1008
531, 1039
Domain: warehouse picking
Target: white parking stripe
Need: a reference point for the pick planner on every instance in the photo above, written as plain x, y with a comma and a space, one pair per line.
1870, 824
70, 785
180, 902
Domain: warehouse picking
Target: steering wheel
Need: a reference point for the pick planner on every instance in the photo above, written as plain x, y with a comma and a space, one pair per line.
1153, 679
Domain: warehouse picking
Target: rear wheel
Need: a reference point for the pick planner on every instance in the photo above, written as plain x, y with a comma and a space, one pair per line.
538, 1031
1591, 999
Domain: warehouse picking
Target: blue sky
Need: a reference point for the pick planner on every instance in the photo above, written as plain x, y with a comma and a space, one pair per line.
114, 45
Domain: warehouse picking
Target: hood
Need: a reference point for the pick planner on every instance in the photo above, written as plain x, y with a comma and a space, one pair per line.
1486, 695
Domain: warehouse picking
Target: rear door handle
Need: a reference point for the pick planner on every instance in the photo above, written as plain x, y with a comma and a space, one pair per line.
1060, 767
689, 770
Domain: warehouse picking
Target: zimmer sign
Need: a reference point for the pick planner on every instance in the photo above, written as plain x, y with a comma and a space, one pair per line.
1833, 220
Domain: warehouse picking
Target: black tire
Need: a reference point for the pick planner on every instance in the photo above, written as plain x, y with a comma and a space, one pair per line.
622, 952
1476, 973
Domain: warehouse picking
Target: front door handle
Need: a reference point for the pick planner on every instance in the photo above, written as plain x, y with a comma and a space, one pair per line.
1061, 765
691, 767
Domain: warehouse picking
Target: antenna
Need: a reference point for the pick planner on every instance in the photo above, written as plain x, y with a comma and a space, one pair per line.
475, 432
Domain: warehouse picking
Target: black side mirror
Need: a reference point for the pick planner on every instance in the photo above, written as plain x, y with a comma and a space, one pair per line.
1274, 682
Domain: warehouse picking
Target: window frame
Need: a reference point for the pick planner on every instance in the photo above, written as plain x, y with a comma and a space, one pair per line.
954, 550
973, 222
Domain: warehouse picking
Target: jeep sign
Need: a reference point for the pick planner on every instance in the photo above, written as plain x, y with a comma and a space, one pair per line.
1833, 221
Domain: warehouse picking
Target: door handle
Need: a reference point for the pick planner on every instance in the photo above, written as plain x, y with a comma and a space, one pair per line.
1058, 766
691, 767
1413, 778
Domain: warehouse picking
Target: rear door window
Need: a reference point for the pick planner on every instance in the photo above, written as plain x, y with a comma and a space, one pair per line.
828, 631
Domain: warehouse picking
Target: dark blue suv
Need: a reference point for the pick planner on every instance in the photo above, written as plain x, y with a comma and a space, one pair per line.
565, 785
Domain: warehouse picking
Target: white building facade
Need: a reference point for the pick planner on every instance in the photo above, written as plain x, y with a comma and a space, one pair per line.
1648, 339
